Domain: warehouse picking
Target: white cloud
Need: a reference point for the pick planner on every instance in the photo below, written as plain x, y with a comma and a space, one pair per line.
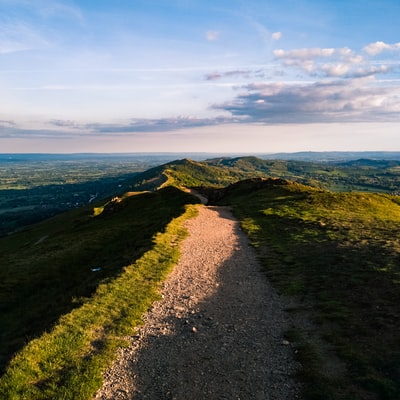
336, 62
344, 54
350, 100
306, 65
348, 55
335, 70
276, 35
305, 58
370, 70
376, 48
304, 54
349, 71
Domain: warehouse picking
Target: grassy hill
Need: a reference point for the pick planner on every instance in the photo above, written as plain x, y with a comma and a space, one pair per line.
338, 255
381, 176
335, 254
188, 173
54, 267
355, 175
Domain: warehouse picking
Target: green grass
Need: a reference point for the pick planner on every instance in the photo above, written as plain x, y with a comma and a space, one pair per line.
362, 175
72, 287
54, 267
339, 254
188, 173
67, 361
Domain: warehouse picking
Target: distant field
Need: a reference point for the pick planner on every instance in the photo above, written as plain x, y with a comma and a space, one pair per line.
35, 187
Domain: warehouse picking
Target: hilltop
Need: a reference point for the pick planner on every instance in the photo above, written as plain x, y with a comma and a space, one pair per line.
367, 175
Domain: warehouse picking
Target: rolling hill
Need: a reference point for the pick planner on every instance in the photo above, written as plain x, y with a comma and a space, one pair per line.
50, 268
355, 175
336, 253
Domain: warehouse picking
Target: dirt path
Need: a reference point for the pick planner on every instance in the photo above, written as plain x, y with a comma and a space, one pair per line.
217, 332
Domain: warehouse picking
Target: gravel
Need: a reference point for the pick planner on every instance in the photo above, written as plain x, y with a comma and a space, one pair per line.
217, 333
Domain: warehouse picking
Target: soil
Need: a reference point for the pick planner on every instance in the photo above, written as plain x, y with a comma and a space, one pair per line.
217, 333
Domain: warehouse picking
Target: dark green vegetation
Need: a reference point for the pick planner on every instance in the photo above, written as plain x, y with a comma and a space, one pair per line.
359, 175
339, 255
55, 266
72, 286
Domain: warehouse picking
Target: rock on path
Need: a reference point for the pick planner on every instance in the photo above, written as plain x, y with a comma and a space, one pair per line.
216, 333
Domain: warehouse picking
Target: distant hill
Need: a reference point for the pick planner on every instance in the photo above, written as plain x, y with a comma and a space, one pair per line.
357, 175
188, 173
333, 156
367, 162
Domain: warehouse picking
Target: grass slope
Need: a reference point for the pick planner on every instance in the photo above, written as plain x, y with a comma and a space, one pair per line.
338, 253
53, 267
68, 281
188, 173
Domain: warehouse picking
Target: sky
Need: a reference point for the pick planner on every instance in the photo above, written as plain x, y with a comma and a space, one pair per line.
248, 76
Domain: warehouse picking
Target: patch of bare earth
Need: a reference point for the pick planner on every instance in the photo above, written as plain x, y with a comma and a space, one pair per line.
217, 333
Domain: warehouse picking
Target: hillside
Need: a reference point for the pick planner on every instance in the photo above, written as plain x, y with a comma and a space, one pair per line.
367, 175
187, 173
335, 253
52, 267
356, 175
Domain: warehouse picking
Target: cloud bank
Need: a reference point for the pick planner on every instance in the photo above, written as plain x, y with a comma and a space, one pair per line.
306, 85
333, 101
376, 48
68, 128
335, 84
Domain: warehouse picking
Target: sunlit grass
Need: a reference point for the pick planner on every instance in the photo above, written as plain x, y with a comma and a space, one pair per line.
339, 254
67, 362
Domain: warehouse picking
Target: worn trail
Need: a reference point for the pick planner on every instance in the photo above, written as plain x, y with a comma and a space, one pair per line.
217, 333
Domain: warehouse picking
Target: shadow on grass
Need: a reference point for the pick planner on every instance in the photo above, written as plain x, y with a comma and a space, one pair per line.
349, 279
53, 267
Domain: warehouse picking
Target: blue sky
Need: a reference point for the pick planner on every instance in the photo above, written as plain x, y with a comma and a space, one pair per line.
199, 75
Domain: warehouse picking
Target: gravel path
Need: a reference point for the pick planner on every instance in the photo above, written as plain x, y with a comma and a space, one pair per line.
216, 333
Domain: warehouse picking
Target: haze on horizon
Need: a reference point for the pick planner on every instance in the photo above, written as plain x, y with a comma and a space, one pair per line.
204, 76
